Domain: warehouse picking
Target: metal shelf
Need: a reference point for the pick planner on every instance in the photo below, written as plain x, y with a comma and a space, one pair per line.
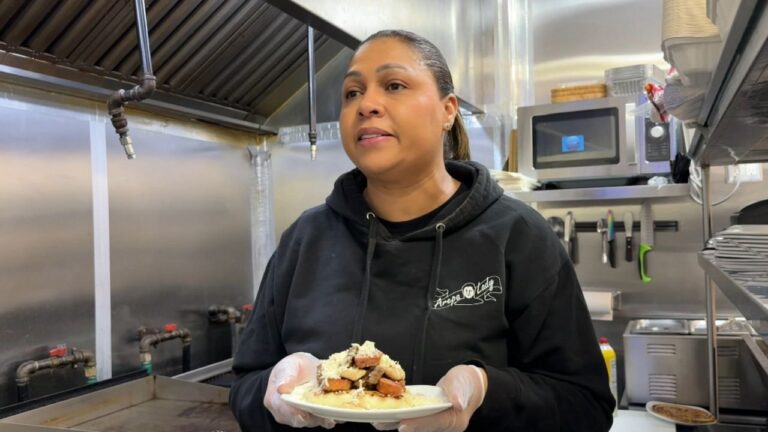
747, 303
731, 124
603, 193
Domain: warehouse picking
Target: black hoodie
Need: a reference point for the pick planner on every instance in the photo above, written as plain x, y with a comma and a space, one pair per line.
488, 284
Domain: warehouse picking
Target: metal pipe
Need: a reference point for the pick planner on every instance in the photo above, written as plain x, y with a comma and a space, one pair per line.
312, 92
222, 314
25, 370
234, 333
118, 99
142, 33
22, 392
230, 314
151, 340
711, 297
186, 357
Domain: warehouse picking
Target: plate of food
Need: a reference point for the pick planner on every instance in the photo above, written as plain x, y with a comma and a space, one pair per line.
685, 415
362, 384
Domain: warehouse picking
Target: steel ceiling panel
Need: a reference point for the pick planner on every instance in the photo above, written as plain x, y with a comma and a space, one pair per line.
232, 53
205, 65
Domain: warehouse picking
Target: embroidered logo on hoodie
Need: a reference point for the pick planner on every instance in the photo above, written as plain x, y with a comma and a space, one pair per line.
470, 294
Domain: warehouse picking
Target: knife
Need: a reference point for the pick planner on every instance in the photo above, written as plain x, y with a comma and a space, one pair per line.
604, 239
611, 239
570, 221
646, 240
628, 223
567, 235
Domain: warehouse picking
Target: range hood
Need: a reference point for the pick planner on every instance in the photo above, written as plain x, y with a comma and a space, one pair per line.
232, 62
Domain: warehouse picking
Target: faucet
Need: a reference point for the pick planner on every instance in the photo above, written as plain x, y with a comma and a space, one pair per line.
58, 357
151, 338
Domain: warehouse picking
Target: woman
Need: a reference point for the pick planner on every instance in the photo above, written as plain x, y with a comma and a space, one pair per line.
419, 251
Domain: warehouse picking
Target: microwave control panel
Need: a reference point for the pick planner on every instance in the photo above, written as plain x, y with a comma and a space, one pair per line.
657, 145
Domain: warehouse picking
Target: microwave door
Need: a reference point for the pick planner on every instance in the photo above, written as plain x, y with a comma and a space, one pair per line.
591, 142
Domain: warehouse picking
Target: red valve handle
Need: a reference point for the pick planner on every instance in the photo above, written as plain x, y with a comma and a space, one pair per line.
58, 351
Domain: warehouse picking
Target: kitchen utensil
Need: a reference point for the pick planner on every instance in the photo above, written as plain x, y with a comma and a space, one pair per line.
558, 226
611, 239
628, 223
570, 236
604, 239
646, 240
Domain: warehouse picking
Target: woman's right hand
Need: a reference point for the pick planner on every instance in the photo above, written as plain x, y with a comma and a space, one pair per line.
291, 371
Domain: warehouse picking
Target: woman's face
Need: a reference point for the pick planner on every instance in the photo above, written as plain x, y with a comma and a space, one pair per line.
392, 115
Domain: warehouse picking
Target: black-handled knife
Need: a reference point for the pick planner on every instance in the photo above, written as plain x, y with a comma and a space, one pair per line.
611, 239
628, 223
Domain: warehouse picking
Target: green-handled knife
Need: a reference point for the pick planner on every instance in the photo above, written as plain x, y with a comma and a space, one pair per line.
646, 240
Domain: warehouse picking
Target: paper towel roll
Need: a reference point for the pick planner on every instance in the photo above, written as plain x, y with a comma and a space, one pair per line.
600, 304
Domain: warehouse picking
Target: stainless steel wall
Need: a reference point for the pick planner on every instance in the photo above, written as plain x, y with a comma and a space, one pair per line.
575, 41
179, 229
46, 241
179, 225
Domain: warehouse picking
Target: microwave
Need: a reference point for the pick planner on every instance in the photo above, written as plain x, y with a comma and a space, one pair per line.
593, 139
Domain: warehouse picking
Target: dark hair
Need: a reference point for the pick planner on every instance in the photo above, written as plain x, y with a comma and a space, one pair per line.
456, 145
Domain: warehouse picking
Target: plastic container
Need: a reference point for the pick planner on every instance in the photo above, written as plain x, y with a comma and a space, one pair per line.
609, 356
690, 41
629, 80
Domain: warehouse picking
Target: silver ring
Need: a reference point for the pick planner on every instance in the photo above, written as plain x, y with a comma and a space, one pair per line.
370, 215
440, 226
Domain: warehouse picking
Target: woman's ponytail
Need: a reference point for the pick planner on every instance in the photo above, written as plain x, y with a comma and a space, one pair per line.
457, 141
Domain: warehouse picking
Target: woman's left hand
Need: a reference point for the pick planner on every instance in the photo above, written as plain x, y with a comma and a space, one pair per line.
465, 386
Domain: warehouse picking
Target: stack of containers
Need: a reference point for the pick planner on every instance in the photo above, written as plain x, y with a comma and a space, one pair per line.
690, 41
629, 80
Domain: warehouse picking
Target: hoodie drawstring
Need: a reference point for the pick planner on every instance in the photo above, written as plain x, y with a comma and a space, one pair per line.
363, 301
437, 258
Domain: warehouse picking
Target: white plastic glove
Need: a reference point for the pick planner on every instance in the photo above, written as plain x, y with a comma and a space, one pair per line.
465, 386
291, 371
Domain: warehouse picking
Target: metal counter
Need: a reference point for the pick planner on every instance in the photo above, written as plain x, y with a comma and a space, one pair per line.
155, 403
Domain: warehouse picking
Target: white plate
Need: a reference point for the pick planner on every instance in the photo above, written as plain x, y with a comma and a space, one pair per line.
651, 404
373, 416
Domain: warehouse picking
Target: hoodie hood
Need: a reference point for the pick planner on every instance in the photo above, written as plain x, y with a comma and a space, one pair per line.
347, 199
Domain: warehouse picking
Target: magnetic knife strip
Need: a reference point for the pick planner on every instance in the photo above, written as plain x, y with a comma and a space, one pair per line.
658, 226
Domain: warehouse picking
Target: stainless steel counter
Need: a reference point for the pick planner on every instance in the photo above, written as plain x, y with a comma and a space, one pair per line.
154, 403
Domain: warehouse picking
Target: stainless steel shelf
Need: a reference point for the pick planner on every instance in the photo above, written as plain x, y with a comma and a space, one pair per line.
746, 302
731, 125
604, 193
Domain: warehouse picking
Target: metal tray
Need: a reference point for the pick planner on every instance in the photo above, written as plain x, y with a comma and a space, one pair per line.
724, 327
153, 403
659, 326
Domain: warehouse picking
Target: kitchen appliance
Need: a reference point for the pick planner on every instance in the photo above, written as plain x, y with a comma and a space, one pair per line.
666, 360
604, 138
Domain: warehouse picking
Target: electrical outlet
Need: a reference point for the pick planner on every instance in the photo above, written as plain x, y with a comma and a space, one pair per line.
747, 173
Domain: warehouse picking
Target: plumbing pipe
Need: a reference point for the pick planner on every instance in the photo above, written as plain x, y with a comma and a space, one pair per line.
118, 99
170, 332
312, 93
228, 314
59, 358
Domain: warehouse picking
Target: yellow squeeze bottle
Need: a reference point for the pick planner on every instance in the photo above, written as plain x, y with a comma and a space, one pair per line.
609, 356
